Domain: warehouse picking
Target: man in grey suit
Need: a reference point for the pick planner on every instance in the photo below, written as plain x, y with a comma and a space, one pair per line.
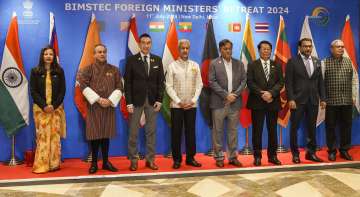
227, 78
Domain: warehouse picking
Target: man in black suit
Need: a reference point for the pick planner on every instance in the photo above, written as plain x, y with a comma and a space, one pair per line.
144, 86
304, 87
264, 80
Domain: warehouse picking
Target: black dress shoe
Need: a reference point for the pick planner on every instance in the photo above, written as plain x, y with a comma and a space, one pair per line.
133, 166
312, 157
235, 162
193, 163
151, 165
257, 161
345, 155
108, 166
332, 156
274, 160
176, 165
220, 163
93, 169
296, 159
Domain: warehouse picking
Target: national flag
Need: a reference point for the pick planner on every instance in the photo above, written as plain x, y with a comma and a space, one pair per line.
306, 33
261, 27
171, 53
234, 27
53, 39
185, 26
87, 58
124, 25
132, 49
248, 55
350, 52
157, 26
281, 56
14, 97
210, 52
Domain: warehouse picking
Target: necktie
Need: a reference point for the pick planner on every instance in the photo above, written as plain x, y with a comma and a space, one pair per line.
266, 71
146, 64
307, 66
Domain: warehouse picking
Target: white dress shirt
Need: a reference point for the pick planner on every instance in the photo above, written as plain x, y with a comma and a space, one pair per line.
228, 69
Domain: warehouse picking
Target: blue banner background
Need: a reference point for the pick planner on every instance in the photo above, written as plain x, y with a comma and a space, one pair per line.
72, 27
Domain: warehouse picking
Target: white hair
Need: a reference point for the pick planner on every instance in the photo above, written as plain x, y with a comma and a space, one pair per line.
336, 41
183, 41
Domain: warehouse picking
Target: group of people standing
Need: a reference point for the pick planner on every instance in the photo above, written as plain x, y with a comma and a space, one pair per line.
308, 82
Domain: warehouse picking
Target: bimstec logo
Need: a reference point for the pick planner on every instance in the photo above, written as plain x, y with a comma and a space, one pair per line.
320, 16
12, 77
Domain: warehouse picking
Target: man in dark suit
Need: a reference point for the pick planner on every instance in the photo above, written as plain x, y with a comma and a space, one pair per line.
264, 80
144, 86
227, 79
304, 87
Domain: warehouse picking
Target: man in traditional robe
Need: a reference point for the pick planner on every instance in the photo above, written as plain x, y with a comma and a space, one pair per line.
101, 85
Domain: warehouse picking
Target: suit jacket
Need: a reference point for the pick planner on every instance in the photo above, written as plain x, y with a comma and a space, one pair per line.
139, 84
38, 84
218, 82
256, 81
299, 86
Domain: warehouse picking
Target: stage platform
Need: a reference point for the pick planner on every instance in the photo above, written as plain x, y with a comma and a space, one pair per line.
75, 170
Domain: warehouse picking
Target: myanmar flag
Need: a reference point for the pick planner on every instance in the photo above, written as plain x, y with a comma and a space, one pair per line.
247, 56
185, 26
282, 55
14, 97
171, 53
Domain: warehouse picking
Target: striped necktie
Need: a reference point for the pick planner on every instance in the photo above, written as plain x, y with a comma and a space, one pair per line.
266, 70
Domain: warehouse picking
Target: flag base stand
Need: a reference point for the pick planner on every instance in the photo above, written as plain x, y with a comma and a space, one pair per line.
282, 149
13, 161
246, 150
168, 155
88, 159
210, 153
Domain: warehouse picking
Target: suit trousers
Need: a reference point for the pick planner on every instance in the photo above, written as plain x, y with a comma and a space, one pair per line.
310, 112
180, 117
232, 116
343, 115
258, 117
150, 131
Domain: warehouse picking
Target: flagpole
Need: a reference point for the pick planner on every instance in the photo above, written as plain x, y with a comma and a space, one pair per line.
13, 161
247, 149
281, 148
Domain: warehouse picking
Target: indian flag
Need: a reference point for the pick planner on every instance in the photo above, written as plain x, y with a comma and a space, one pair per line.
185, 26
170, 54
156, 26
350, 52
14, 105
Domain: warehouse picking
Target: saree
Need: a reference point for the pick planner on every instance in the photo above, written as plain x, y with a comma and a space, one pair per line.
50, 127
